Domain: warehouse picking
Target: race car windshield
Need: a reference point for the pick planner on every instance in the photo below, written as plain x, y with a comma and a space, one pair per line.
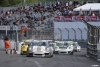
27, 43
38, 43
75, 44
60, 44
66, 44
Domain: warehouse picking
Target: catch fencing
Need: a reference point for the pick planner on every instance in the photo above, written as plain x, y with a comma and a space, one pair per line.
74, 34
45, 33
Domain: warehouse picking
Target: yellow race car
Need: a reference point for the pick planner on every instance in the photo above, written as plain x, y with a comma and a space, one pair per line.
24, 47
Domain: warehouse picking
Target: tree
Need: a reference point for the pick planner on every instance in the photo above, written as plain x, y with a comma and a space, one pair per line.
5, 3
9, 2
1, 1
14, 2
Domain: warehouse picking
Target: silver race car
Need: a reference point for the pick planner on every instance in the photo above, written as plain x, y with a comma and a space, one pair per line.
76, 46
40, 48
64, 47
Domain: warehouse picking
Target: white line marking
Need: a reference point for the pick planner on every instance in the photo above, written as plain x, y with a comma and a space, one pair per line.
37, 64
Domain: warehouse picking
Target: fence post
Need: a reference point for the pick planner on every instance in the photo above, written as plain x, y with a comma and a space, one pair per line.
98, 30
60, 33
68, 32
6, 31
88, 36
74, 32
81, 33
17, 38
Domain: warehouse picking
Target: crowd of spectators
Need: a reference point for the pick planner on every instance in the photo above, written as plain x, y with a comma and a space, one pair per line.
38, 15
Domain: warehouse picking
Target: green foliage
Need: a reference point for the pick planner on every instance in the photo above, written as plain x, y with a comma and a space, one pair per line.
9, 2
15, 2
4, 3
28, 1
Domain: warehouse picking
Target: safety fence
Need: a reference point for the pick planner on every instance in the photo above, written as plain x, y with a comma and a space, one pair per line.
46, 33
41, 33
74, 34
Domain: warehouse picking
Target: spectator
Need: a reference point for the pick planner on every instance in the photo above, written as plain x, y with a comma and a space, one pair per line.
7, 46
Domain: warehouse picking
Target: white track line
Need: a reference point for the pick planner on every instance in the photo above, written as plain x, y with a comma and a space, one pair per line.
37, 64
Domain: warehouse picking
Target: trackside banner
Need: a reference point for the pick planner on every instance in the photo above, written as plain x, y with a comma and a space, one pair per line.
75, 18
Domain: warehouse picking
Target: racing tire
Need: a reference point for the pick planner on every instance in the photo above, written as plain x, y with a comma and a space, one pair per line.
55, 52
50, 56
71, 53
21, 54
27, 56
79, 50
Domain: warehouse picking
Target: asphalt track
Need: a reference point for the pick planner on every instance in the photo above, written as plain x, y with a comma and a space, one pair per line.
59, 60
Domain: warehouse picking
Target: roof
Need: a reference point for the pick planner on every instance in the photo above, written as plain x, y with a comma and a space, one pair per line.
88, 6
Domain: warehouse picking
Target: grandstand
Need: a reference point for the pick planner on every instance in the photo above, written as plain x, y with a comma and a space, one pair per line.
42, 17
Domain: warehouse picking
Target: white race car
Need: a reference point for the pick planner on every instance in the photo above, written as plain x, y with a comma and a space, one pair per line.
40, 48
76, 46
64, 47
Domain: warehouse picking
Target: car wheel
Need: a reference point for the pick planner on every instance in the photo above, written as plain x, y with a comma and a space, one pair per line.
79, 50
71, 53
27, 55
21, 54
56, 52
51, 55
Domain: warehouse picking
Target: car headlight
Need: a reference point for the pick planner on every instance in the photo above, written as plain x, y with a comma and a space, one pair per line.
69, 47
56, 47
30, 50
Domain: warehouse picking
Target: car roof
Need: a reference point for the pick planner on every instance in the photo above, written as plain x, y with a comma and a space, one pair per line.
40, 40
52, 43
75, 42
56, 41
46, 40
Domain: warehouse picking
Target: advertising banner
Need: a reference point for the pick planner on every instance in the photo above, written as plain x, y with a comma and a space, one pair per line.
91, 18
75, 18
66, 18
57, 18
78, 18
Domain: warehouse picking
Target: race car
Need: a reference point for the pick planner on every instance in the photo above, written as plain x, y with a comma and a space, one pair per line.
76, 46
53, 45
24, 46
40, 48
64, 47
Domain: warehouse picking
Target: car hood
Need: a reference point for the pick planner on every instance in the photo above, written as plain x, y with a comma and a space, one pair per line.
39, 48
